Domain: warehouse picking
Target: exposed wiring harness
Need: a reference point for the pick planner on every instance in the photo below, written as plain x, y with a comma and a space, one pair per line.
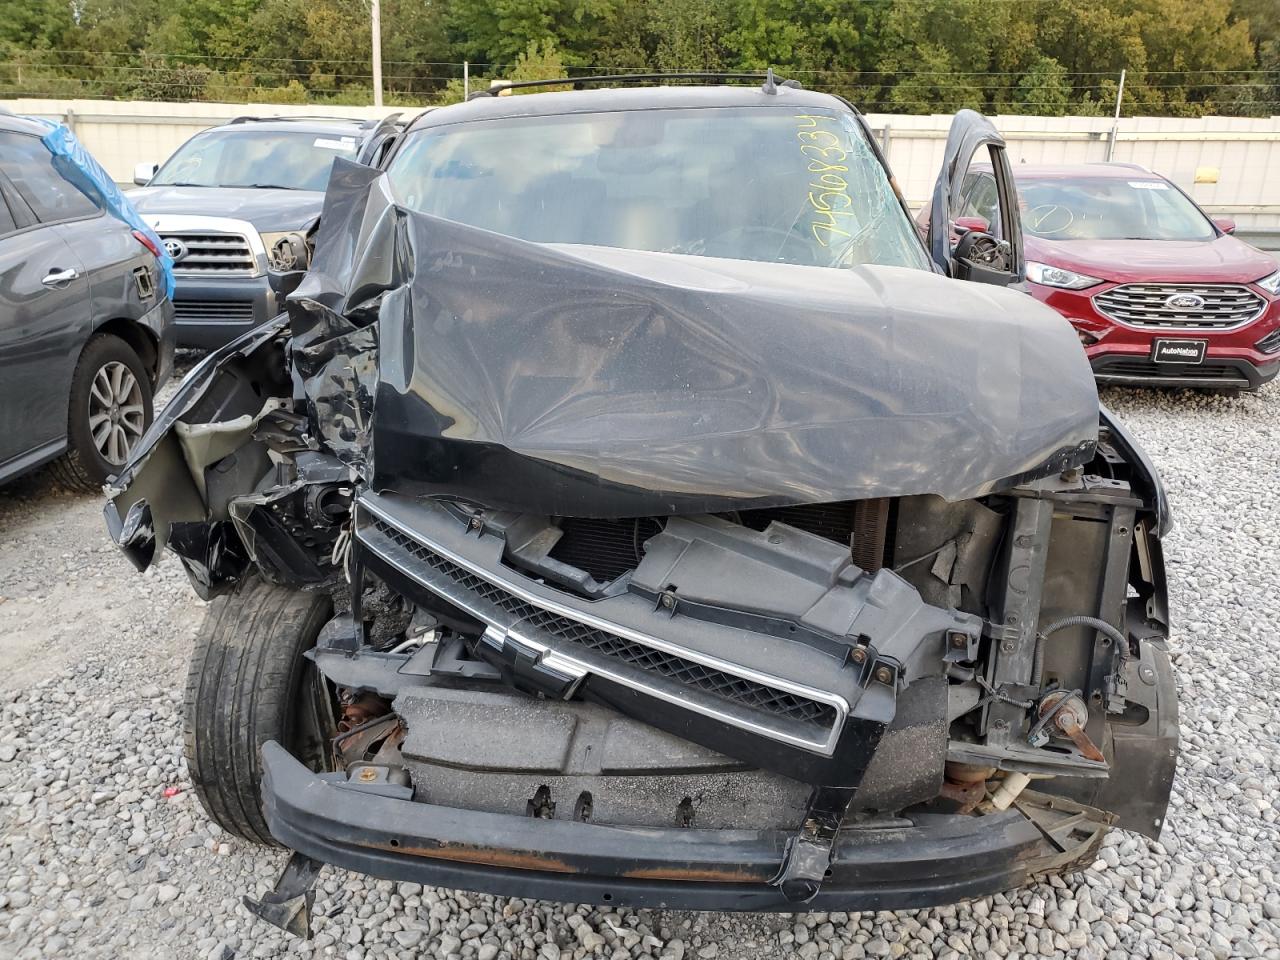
1104, 628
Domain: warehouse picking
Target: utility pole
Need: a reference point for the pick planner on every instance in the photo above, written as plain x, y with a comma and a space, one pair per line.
1115, 123
375, 13
466, 79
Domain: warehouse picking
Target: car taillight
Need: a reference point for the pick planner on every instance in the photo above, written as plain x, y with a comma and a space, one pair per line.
147, 242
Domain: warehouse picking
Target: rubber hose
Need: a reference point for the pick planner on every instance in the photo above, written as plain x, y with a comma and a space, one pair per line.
1104, 628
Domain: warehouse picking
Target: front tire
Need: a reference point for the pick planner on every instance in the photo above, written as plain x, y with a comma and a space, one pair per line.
249, 683
110, 408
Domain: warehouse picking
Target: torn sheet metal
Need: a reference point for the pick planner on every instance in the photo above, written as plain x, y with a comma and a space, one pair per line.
590, 381
333, 312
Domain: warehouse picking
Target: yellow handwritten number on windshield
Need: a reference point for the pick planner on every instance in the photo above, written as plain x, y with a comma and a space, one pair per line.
829, 196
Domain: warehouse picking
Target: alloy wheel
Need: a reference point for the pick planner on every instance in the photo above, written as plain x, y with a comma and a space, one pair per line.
116, 413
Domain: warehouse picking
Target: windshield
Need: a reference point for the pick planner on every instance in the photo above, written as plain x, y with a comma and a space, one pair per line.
248, 158
797, 186
1097, 208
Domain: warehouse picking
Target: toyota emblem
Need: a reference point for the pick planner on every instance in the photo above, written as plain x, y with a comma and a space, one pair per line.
176, 249
1184, 301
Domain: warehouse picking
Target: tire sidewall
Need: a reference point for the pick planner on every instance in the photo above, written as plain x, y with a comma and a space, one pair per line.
101, 350
249, 682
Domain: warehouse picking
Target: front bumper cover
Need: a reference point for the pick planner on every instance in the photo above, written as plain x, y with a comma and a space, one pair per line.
1217, 372
934, 859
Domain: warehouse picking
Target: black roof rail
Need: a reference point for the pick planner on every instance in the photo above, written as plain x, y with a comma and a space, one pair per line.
770, 83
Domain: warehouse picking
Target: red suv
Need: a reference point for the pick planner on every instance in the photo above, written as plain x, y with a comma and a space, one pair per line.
1157, 291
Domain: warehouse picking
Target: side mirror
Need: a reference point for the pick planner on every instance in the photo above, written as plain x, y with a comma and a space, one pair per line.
1225, 224
962, 225
143, 172
982, 258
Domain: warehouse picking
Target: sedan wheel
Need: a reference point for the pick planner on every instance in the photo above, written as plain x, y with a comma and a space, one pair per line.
108, 412
117, 415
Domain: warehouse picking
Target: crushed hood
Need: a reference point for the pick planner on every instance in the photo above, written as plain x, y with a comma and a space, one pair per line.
586, 381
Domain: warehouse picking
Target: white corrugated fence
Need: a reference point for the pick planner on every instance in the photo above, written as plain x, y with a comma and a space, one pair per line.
1245, 152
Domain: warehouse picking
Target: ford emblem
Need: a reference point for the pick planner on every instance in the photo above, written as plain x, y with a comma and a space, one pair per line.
1184, 301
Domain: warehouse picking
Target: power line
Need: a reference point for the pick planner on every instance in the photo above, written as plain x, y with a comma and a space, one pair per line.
476, 64
163, 72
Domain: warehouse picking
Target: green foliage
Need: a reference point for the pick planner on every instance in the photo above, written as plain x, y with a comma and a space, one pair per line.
1182, 57
540, 61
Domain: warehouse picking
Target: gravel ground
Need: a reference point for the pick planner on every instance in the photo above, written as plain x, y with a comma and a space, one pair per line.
105, 853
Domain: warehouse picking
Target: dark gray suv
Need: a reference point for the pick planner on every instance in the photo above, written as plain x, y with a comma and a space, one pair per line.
86, 330
238, 199
656, 520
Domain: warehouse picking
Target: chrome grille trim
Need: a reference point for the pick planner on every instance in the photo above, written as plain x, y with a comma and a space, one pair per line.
217, 247
223, 254
1224, 306
620, 654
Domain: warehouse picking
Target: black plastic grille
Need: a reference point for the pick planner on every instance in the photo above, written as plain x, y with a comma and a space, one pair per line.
1270, 343
686, 672
1157, 371
689, 673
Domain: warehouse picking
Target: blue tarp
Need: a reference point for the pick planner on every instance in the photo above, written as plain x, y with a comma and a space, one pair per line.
78, 167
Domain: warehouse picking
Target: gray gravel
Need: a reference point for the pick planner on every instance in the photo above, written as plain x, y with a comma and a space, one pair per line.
104, 851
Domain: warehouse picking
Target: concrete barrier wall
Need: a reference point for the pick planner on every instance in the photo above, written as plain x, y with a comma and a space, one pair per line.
1246, 152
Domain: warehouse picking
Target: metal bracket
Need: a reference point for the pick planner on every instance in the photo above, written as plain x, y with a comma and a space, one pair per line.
809, 852
288, 905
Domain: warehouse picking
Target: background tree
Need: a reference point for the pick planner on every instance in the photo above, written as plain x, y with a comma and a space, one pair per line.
1182, 57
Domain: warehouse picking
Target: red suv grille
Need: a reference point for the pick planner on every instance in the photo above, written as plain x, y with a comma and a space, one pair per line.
1181, 306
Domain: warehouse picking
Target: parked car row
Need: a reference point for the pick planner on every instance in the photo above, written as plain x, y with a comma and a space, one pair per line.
831, 580
88, 328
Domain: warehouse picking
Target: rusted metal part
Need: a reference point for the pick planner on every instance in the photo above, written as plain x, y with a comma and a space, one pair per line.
528, 861
353, 745
359, 708
1065, 713
698, 875
1069, 725
484, 855
966, 795
958, 772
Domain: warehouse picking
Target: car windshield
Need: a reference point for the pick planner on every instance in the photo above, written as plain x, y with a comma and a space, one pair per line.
770, 184
1105, 208
245, 157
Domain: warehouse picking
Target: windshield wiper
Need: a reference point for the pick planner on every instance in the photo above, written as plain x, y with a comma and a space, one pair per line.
261, 186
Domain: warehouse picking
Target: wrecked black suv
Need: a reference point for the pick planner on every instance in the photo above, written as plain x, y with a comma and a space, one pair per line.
631, 509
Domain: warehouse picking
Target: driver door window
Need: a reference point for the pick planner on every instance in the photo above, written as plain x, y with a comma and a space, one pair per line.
982, 200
